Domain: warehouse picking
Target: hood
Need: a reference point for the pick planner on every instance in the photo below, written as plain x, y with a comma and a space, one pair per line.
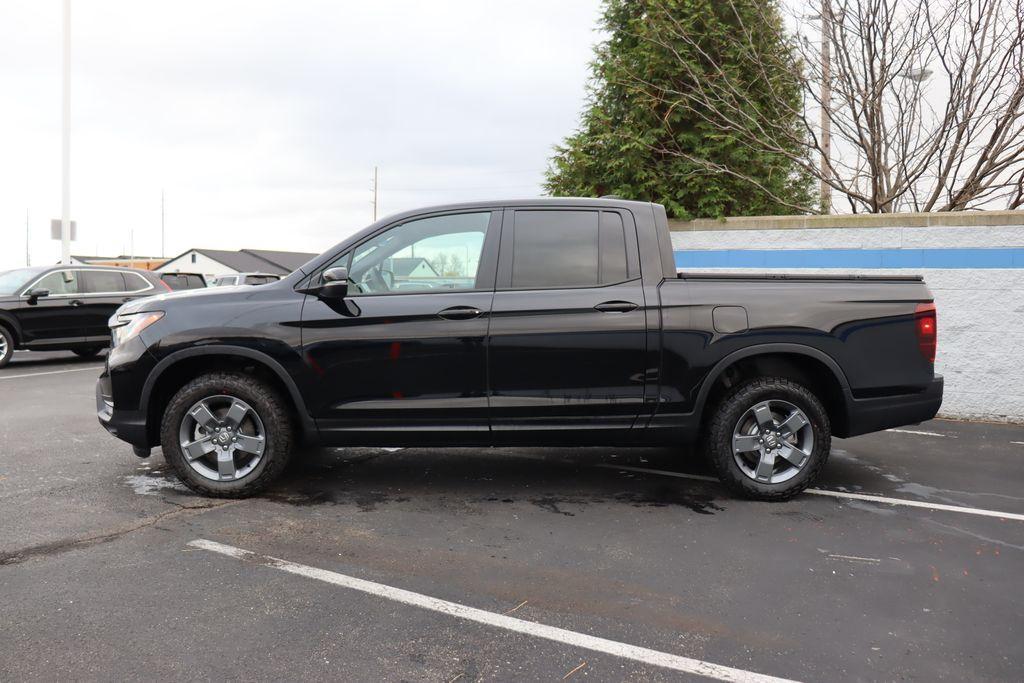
188, 297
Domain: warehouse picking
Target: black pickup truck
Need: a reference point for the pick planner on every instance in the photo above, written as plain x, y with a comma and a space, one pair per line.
542, 322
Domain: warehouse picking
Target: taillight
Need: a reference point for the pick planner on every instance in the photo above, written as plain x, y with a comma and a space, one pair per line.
927, 334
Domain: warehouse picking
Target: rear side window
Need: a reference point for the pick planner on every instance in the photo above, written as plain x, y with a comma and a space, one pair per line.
136, 282
102, 282
554, 249
259, 279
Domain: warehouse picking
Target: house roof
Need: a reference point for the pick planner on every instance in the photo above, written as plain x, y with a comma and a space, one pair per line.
287, 260
252, 260
404, 266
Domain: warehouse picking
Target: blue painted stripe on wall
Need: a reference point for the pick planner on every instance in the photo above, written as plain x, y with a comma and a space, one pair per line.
851, 258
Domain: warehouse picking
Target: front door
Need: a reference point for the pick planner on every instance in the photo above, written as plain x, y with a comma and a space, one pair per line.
405, 352
567, 339
57, 319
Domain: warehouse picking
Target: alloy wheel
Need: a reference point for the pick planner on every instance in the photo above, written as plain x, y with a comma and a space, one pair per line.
222, 438
772, 441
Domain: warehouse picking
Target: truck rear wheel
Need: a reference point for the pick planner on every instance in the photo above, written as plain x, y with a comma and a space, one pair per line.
769, 438
227, 435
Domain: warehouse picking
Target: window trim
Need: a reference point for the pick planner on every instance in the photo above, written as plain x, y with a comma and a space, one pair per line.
633, 273
84, 295
488, 253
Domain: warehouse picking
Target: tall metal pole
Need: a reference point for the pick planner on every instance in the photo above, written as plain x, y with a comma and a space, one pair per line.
65, 216
826, 106
163, 234
376, 186
28, 241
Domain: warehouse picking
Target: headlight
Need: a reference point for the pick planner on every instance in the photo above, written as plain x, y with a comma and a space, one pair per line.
125, 326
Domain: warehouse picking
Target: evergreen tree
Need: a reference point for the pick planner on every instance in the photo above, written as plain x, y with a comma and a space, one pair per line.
634, 143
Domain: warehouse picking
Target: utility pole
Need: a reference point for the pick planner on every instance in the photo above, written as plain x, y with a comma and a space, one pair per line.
163, 243
826, 106
28, 241
65, 220
376, 188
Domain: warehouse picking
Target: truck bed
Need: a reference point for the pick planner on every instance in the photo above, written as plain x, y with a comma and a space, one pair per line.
812, 277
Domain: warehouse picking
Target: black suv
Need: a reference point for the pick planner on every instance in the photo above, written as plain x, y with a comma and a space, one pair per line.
66, 308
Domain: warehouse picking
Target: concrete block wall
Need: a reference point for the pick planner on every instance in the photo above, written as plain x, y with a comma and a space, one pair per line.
975, 269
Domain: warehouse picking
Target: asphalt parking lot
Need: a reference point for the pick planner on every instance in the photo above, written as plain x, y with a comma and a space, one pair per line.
474, 564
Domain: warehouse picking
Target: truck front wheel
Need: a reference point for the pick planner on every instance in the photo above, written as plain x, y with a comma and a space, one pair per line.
227, 434
768, 438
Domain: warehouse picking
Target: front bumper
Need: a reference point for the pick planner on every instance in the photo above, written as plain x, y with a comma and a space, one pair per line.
875, 414
127, 425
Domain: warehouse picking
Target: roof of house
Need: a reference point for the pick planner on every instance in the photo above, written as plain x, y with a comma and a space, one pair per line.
404, 266
289, 260
253, 260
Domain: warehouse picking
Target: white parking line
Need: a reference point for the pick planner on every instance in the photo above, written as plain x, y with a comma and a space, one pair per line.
845, 494
52, 372
920, 433
530, 628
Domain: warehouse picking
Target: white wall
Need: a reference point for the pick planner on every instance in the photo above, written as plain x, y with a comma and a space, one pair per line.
980, 311
204, 264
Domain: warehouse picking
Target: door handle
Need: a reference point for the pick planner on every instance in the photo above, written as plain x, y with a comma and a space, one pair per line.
460, 313
74, 302
616, 307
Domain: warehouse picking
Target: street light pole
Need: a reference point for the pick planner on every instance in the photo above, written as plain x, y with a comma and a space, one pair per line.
826, 106
65, 217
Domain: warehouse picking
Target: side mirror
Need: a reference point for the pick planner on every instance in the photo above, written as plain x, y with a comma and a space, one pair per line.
335, 283
35, 294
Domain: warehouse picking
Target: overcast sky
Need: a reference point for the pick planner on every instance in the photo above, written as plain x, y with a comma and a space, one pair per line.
262, 121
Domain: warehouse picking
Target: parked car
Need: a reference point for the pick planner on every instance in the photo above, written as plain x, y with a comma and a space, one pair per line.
66, 308
178, 281
244, 279
575, 329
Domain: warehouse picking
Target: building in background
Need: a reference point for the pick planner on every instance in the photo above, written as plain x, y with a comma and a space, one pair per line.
123, 261
214, 262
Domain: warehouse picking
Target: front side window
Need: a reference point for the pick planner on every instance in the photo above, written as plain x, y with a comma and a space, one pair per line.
60, 282
430, 254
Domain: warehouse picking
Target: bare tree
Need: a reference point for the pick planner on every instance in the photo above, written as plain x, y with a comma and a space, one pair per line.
927, 100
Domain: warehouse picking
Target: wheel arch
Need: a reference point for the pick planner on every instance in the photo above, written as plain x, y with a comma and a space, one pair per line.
186, 364
12, 325
804, 364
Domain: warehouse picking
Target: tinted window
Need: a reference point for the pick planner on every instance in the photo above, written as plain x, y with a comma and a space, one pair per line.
430, 254
136, 282
613, 249
60, 282
259, 279
102, 281
195, 281
555, 249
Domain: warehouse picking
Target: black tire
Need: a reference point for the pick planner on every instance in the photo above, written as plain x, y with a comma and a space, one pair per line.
271, 410
6, 346
727, 415
88, 352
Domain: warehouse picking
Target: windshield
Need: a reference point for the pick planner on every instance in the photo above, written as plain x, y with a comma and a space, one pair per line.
12, 281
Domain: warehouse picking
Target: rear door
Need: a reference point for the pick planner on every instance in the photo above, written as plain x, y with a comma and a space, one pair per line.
103, 292
567, 338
